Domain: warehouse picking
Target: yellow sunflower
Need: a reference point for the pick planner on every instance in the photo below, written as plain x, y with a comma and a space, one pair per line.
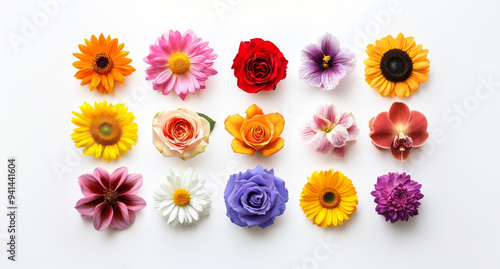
396, 66
328, 198
106, 131
102, 63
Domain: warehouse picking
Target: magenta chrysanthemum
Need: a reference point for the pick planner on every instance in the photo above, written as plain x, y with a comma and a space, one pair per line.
325, 63
180, 62
397, 196
330, 130
110, 200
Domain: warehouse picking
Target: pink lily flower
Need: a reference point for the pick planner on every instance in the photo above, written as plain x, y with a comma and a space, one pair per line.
110, 200
399, 130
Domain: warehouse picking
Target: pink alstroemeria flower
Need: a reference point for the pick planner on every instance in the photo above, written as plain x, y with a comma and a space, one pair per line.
110, 199
399, 130
330, 131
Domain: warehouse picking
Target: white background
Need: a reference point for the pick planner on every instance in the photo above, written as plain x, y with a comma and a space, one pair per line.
458, 221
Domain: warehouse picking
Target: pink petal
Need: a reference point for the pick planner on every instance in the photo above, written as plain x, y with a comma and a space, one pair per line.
307, 133
329, 112
131, 185
353, 132
133, 202
340, 152
319, 122
338, 136
346, 120
417, 128
102, 176
400, 155
383, 131
121, 219
87, 205
169, 85
164, 76
89, 185
399, 114
103, 215
321, 143
117, 177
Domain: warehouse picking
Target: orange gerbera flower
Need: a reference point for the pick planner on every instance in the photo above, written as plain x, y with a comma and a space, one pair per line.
256, 132
102, 63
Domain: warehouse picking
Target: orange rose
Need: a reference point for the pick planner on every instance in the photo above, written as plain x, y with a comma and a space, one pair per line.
256, 132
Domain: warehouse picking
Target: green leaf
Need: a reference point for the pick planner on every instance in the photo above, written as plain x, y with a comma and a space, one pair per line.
212, 122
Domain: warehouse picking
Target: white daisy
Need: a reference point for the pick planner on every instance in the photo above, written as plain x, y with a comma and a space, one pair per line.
182, 198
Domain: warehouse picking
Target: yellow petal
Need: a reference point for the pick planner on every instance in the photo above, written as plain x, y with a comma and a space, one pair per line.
238, 147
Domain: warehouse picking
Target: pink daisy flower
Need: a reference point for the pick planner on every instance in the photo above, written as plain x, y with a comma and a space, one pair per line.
330, 131
179, 62
110, 200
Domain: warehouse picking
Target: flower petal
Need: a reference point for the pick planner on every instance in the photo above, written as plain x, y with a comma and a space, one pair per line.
252, 111
383, 131
417, 128
131, 185
399, 114
121, 219
338, 136
233, 125
273, 147
400, 155
117, 177
133, 202
238, 147
278, 122
102, 176
87, 205
89, 185
103, 215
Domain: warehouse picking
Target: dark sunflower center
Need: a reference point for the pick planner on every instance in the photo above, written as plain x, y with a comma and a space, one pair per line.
329, 198
105, 130
110, 196
102, 63
396, 65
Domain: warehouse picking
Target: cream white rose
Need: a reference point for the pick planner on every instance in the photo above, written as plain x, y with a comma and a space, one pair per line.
180, 133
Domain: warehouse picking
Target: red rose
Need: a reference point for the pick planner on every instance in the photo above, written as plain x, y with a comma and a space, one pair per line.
259, 65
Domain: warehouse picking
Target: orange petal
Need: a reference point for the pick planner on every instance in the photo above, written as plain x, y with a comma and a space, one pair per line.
252, 111
239, 147
102, 42
278, 122
273, 147
233, 125
383, 131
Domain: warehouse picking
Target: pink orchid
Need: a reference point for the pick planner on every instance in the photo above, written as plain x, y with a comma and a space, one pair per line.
330, 131
110, 199
399, 130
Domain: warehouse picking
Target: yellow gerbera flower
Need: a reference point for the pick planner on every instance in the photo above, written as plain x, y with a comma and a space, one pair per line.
106, 131
102, 63
396, 66
328, 198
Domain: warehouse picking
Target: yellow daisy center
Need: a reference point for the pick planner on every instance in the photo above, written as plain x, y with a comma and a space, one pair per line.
329, 198
105, 130
326, 59
181, 197
102, 63
179, 63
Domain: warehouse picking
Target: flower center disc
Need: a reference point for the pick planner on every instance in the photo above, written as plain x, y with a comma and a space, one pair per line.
110, 196
329, 198
396, 65
181, 197
102, 63
105, 130
179, 63
326, 60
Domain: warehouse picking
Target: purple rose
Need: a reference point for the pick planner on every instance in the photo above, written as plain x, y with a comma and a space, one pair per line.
255, 198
